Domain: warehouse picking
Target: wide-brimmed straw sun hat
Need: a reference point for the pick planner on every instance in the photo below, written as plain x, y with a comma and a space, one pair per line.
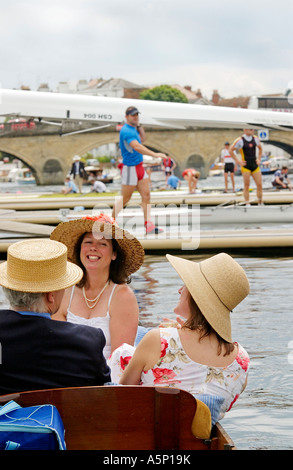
70, 233
36, 265
217, 285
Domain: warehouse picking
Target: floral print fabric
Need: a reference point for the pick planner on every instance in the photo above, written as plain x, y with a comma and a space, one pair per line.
176, 369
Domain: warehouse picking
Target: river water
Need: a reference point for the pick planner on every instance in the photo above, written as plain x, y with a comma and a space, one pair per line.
262, 418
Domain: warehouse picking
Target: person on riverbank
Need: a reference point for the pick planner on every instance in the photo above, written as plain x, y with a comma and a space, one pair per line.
191, 176
169, 165
133, 175
200, 356
173, 181
229, 166
98, 186
78, 172
108, 255
281, 179
37, 352
247, 145
69, 186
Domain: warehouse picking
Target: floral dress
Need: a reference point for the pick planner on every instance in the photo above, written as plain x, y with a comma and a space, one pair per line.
176, 369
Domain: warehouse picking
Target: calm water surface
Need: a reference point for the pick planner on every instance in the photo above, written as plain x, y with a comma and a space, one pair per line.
262, 418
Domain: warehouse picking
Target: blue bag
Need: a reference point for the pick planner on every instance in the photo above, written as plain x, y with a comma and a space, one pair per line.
31, 428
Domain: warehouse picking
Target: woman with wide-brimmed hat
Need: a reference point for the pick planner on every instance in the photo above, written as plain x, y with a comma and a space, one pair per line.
108, 255
200, 356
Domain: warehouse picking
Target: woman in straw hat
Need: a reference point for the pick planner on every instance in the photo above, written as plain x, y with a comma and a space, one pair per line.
107, 255
36, 352
199, 357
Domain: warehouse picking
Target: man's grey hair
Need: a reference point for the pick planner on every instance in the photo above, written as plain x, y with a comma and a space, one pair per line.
30, 301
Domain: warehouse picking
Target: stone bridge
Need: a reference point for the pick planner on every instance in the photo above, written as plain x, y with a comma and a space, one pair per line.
49, 154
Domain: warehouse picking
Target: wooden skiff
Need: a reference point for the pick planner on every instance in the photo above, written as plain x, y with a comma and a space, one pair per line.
128, 418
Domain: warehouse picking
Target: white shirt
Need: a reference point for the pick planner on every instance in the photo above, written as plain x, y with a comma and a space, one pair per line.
99, 187
225, 155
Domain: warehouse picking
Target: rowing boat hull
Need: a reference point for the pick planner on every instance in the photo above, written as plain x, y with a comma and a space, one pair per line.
167, 216
127, 418
36, 202
186, 241
184, 229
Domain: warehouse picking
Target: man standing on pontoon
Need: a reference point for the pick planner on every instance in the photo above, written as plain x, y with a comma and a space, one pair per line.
249, 163
133, 173
229, 166
78, 172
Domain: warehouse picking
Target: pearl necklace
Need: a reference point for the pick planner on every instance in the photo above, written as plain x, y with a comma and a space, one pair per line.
96, 299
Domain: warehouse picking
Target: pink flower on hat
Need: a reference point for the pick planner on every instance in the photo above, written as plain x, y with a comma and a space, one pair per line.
101, 218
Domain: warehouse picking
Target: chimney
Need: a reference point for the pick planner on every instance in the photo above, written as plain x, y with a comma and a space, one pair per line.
198, 93
215, 97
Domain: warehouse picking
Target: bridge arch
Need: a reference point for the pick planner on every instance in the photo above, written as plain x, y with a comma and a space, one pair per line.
282, 145
92, 143
49, 156
22, 157
52, 170
197, 162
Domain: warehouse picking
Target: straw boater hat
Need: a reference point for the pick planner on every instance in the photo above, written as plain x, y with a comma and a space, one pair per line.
217, 285
38, 266
70, 232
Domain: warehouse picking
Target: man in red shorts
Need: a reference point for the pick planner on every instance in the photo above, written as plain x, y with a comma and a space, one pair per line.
133, 174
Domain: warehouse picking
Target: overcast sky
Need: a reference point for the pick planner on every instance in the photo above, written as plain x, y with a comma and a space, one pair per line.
236, 47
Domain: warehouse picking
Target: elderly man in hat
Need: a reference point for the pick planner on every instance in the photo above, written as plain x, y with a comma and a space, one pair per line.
133, 173
78, 172
37, 352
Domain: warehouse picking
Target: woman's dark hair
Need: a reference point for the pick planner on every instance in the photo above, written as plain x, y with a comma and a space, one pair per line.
199, 322
117, 266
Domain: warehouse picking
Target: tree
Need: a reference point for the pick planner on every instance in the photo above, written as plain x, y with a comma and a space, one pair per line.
163, 93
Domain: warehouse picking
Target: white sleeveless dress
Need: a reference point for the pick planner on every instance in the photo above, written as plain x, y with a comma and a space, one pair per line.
96, 322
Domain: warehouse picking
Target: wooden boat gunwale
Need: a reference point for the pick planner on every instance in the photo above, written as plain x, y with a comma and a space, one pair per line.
143, 418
